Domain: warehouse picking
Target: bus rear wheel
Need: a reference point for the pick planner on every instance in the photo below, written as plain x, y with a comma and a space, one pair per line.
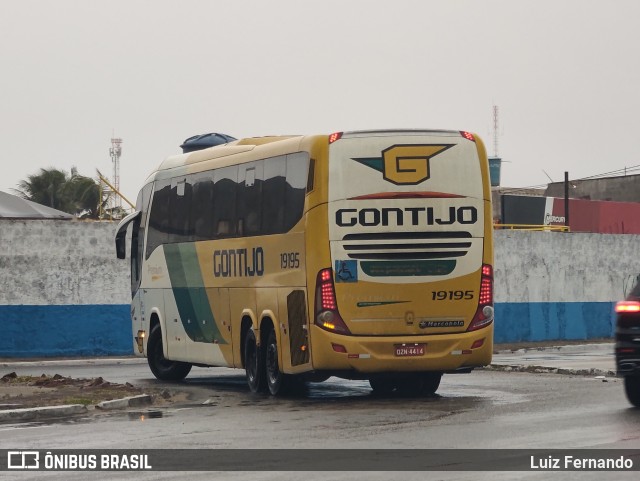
632, 389
430, 383
161, 367
278, 382
254, 363
422, 384
383, 385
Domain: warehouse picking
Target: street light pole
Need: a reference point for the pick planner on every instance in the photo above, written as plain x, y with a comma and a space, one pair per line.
566, 199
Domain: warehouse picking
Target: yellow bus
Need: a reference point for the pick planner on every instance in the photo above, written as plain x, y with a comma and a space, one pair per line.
363, 255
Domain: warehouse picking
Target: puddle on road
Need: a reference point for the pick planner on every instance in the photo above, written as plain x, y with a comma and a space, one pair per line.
92, 416
39, 423
143, 416
232, 392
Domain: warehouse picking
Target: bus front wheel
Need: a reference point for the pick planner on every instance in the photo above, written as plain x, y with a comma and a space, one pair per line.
161, 367
254, 363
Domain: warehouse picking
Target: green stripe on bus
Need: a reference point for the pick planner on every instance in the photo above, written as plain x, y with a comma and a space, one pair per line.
190, 294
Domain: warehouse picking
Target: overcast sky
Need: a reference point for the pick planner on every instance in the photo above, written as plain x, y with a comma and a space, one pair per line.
565, 75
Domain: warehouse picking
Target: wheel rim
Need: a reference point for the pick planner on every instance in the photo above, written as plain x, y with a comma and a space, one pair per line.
252, 362
273, 372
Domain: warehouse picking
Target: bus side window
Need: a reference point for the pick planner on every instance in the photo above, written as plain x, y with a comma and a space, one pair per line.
180, 229
250, 198
298, 175
223, 229
137, 241
273, 195
312, 174
159, 216
224, 201
202, 206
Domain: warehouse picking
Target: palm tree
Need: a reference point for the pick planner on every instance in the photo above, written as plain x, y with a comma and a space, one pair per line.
74, 194
85, 194
46, 188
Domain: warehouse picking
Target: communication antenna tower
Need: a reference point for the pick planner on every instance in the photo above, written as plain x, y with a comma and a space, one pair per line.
495, 131
115, 151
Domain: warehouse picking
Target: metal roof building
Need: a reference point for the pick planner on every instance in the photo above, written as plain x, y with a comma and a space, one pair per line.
14, 207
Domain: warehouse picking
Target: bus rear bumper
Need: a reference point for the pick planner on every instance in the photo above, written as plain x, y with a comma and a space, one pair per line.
371, 354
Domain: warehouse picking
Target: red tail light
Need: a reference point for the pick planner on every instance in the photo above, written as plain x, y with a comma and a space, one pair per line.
627, 306
335, 136
484, 313
326, 306
468, 136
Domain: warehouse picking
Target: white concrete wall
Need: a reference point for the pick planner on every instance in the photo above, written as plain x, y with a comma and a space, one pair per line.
51, 262
63, 292
533, 266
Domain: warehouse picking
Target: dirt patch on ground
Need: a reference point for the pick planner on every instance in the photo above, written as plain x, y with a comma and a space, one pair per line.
17, 392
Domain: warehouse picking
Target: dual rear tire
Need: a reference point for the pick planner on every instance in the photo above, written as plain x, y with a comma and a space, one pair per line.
254, 363
262, 367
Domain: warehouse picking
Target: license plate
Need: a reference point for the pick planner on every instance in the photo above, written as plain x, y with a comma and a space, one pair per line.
404, 350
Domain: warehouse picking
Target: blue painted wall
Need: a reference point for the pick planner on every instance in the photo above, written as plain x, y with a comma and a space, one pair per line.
98, 330
540, 321
80, 330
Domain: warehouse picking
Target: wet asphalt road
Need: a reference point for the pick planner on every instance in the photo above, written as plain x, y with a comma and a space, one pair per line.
484, 409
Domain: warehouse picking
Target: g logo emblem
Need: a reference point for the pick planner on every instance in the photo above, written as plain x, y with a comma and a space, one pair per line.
405, 164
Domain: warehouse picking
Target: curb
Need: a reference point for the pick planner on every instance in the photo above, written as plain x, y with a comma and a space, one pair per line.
603, 346
105, 361
550, 370
28, 414
47, 412
127, 402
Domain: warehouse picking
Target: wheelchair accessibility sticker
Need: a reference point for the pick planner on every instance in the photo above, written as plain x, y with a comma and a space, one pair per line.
346, 271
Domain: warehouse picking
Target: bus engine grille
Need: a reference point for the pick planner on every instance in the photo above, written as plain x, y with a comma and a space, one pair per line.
407, 245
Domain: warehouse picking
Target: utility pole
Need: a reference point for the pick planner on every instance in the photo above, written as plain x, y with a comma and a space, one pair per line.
566, 200
495, 132
115, 151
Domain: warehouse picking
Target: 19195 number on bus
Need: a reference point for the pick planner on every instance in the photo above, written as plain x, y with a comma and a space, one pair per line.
451, 295
289, 260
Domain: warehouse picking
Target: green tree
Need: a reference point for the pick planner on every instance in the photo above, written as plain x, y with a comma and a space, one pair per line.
72, 193
84, 194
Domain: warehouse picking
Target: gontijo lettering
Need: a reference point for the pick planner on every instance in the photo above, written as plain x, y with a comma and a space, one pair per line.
238, 262
371, 217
